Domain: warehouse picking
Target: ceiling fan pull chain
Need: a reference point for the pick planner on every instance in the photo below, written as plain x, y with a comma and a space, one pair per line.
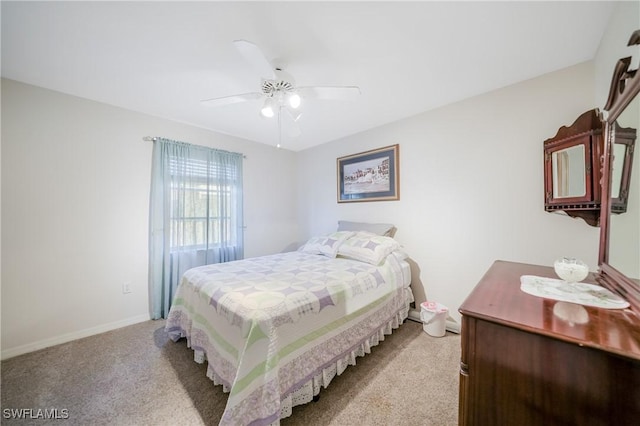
279, 126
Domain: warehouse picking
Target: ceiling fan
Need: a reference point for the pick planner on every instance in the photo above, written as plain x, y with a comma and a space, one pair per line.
278, 88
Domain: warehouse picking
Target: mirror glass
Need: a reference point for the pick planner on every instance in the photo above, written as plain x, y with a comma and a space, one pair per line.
624, 231
619, 151
569, 177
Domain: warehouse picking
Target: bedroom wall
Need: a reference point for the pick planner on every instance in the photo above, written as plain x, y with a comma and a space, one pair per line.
471, 176
471, 185
75, 195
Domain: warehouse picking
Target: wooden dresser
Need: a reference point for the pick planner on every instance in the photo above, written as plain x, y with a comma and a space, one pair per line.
523, 364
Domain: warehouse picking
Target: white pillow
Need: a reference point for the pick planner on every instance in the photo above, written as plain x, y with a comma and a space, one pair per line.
326, 245
385, 229
368, 247
400, 255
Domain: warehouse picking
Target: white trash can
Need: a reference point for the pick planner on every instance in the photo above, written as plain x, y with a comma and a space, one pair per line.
434, 318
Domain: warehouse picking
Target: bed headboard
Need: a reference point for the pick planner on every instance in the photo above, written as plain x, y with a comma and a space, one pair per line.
385, 229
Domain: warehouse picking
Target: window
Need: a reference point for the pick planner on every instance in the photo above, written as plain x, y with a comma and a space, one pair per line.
201, 204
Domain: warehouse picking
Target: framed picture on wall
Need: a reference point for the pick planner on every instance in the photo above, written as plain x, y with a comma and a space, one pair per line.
369, 176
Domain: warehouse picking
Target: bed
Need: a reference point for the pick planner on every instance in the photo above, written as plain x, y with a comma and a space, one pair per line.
276, 329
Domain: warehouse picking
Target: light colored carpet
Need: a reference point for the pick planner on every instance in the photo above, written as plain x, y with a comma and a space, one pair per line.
137, 376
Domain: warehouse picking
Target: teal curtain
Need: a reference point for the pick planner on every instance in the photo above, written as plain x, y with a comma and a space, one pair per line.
195, 214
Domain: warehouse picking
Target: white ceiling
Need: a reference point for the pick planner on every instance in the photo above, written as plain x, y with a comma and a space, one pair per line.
162, 58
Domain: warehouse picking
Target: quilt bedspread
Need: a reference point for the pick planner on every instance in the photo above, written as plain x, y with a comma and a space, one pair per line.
267, 325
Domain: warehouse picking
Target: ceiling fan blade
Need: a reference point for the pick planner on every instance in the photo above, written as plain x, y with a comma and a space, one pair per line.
292, 126
254, 56
233, 99
340, 93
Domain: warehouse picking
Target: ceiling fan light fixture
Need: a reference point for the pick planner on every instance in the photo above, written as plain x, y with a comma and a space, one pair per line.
294, 100
268, 109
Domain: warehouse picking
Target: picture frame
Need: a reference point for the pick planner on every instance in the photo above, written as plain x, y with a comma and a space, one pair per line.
369, 176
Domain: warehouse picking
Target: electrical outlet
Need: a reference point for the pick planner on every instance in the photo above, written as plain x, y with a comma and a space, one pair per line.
126, 288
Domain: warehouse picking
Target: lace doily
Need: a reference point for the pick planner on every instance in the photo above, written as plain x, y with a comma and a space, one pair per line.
581, 293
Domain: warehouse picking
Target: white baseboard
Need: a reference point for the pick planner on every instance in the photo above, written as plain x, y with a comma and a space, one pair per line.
64, 338
414, 315
451, 325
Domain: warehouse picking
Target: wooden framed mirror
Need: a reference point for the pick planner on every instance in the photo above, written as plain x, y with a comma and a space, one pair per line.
619, 256
572, 168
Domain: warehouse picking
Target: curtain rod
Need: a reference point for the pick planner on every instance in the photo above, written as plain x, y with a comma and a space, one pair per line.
155, 138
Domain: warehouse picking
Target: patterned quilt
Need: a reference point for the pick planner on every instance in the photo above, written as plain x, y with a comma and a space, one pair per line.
268, 325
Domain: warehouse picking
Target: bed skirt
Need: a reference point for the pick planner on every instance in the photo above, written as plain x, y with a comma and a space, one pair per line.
310, 387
